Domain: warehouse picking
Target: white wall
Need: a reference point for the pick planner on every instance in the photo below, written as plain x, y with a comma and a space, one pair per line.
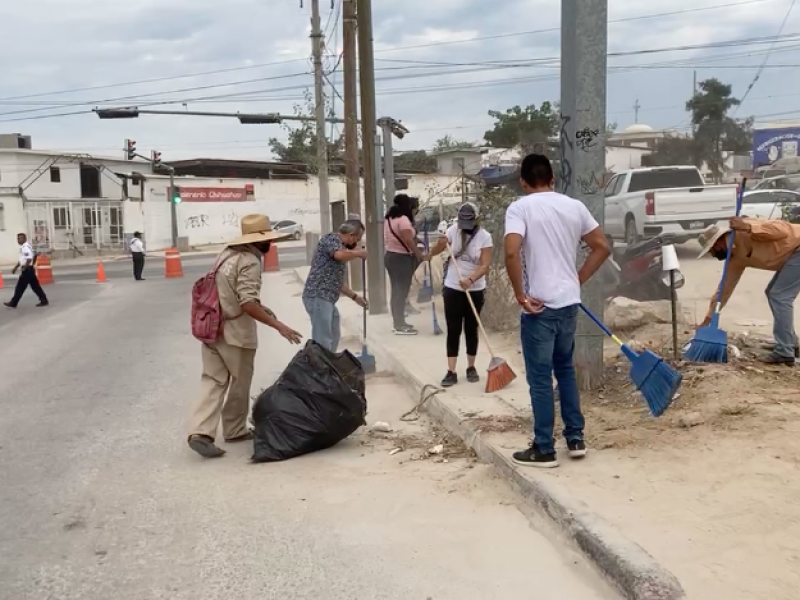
11, 223
207, 223
621, 159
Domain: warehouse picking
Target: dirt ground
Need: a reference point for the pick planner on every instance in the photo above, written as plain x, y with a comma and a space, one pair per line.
711, 487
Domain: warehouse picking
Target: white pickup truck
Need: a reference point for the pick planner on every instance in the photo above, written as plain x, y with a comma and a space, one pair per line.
669, 201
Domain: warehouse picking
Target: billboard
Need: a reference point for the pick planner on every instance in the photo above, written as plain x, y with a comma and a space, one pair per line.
216, 194
771, 144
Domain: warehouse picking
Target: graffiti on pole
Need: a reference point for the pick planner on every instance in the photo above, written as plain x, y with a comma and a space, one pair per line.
589, 186
586, 138
565, 147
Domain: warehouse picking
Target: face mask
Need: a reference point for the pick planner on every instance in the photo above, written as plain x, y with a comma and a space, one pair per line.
351, 246
471, 230
263, 247
719, 254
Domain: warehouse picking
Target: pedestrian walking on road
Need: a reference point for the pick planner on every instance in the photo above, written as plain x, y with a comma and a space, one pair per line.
472, 249
770, 246
402, 257
326, 282
138, 253
27, 275
542, 235
228, 363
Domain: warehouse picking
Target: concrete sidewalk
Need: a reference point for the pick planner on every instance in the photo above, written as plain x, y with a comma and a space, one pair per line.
419, 363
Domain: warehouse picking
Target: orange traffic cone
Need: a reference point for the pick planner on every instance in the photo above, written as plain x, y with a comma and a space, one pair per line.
172, 264
101, 273
271, 259
1, 281
44, 271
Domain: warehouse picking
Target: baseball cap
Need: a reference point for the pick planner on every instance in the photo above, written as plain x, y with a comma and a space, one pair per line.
467, 216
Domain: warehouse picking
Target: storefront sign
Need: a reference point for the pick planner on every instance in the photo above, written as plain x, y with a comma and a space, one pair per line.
204, 194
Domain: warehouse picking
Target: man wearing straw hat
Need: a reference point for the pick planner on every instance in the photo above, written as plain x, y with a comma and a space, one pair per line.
228, 363
771, 246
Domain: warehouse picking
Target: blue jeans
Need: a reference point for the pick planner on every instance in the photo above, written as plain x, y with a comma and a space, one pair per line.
548, 342
325, 327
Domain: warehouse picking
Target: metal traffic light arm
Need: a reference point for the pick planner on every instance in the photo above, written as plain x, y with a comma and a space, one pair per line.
133, 112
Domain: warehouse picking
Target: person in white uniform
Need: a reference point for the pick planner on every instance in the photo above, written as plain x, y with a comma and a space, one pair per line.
137, 252
472, 249
27, 276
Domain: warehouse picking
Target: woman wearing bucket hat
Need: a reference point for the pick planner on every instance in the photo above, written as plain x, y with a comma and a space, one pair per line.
472, 249
771, 246
228, 362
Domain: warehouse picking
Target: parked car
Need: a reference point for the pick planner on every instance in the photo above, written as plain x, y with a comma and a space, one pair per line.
783, 182
772, 204
291, 227
673, 201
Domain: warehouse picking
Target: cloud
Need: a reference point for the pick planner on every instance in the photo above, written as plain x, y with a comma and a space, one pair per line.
432, 72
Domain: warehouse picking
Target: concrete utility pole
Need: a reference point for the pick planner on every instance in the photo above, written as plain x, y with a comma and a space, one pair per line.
317, 42
173, 208
349, 58
369, 133
582, 148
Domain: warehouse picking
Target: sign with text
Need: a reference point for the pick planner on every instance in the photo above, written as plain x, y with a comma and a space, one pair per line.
216, 194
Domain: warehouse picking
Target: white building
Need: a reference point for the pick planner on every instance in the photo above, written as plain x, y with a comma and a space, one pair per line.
77, 204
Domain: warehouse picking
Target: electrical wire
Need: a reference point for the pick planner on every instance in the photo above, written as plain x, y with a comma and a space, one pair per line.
764, 64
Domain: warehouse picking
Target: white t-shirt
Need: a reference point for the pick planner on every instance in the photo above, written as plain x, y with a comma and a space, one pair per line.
25, 254
468, 260
551, 226
137, 245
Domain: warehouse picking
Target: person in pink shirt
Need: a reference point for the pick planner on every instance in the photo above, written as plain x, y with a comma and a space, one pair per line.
402, 257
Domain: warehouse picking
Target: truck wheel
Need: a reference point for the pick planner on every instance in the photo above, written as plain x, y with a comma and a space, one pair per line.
631, 236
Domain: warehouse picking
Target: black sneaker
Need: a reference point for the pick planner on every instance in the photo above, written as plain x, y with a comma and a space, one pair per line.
533, 458
577, 449
9, 305
450, 379
472, 375
771, 348
405, 330
777, 359
43, 304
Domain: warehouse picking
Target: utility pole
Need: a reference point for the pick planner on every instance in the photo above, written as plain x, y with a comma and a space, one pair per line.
582, 149
369, 134
349, 58
173, 208
317, 42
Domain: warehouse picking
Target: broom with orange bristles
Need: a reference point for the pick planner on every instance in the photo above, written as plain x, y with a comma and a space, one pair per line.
499, 373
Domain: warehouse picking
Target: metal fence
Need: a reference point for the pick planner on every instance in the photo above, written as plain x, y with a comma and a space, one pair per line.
75, 226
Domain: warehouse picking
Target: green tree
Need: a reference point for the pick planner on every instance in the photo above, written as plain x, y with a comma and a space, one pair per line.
715, 131
523, 127
450, 143
301, 145
674, 150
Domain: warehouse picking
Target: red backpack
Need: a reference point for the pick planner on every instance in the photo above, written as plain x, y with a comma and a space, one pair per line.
207, 319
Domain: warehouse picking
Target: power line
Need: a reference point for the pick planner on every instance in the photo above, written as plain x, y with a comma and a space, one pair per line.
766, 58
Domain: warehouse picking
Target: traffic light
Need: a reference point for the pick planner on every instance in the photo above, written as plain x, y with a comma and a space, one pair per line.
155, 157
176, 195
130, 148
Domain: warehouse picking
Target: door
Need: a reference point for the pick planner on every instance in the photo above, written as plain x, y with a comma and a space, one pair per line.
91, 226
115, 224
614, 223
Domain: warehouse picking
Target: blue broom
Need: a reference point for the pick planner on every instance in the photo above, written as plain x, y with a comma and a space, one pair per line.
710, 344
436, 329
655, 379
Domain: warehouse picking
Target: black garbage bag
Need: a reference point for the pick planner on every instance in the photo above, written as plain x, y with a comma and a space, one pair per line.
316, 402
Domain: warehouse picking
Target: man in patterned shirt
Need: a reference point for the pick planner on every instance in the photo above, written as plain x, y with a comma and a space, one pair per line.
326, 282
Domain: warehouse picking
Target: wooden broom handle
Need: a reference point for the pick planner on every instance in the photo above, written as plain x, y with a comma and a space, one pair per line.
469, 298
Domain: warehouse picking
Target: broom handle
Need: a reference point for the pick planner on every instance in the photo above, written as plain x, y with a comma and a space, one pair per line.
471, 303
739, 196
600, 324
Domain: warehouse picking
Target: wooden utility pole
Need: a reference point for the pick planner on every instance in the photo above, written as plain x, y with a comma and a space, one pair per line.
317, 43
349, 59
369, 136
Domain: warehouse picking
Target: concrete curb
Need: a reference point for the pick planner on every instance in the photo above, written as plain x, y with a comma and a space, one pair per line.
626, 564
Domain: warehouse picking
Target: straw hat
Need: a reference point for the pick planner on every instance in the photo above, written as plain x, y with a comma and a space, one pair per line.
710, 236
255, 229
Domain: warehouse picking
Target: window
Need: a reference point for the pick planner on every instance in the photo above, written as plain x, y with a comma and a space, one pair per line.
90, 181
55, 174
659, 179
62, 218
760, 198
610, 186
115, 224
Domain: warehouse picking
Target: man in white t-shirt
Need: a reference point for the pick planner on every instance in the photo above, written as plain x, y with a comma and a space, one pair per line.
27, 275
543, 233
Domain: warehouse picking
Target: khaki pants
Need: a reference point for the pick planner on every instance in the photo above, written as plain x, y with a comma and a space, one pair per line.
228, 369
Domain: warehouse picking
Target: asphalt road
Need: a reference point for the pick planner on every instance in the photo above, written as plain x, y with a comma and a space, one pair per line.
194, 265
100, 497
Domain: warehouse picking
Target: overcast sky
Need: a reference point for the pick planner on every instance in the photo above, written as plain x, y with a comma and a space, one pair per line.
62, 57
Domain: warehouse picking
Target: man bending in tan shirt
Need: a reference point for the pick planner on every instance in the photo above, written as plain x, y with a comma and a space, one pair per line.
228, 364
770, 246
